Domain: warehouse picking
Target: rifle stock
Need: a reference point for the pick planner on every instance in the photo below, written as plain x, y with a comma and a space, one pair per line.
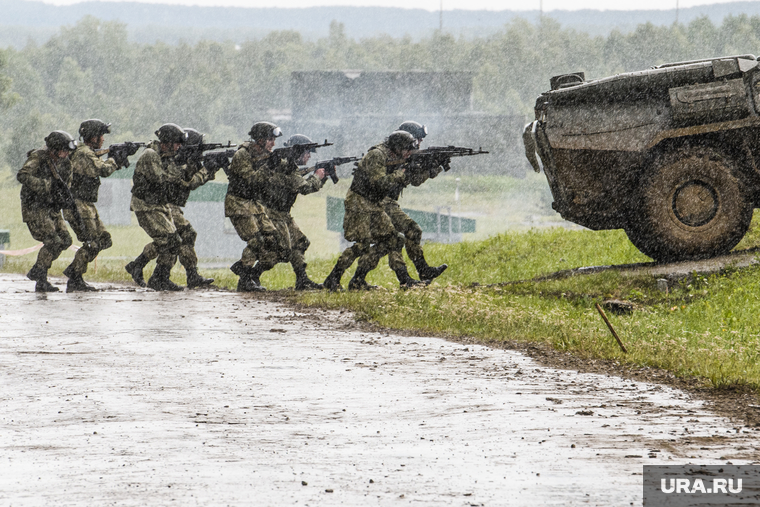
292, 153
329, 167
188, 152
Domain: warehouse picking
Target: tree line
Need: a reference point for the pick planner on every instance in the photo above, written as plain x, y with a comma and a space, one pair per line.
91, 70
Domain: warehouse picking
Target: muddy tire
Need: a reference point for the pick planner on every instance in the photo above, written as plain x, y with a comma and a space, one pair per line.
691, 206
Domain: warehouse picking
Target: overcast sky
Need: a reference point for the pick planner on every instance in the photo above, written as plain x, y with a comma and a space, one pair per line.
434, 5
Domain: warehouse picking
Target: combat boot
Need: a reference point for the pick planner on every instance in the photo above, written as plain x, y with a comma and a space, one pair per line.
332, 282
160, 279
39, 275
303, 282
195, 280
406, 281
76, 283
428, 272
358, 282
245, 282
135, 268
45, 286
255, 274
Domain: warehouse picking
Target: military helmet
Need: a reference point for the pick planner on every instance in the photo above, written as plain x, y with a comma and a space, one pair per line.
264, 130
193, 136
297, 139
401, 140
60, 140
414, 128
171, 133
93, 128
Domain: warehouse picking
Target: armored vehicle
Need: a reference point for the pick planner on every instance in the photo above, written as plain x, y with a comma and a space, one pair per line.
669, 154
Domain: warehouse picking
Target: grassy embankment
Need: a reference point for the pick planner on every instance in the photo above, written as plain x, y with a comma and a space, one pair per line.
705, 326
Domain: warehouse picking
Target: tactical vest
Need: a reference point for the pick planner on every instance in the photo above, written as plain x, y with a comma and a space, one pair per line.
85, 188
55, 199
362, 185
177, 194
239, 187
149, 191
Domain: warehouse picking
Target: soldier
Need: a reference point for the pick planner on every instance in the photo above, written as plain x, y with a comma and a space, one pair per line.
366, 222
248, 175
412, 232
279, 196
87, 169
189, 176
157, 172
45, 179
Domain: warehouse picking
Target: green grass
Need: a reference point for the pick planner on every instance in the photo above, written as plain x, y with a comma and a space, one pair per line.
705, 326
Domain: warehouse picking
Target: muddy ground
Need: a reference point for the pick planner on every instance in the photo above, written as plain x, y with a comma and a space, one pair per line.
132, 397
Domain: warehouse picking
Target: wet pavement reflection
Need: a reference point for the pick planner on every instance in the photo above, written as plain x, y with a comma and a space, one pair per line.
133, 397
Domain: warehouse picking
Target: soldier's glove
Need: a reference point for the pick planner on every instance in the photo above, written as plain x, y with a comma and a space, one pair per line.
435, 171
445, 163
120, 157
330, 171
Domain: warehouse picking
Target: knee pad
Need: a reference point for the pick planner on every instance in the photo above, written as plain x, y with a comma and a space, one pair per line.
396, 242
188, 236
360, 249
104, 241
302, 245
64, 241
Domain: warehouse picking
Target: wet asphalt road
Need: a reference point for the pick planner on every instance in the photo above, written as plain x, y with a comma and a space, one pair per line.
131, 397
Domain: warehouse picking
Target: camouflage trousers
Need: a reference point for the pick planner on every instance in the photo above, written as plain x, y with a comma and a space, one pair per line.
47, 226
292, 242
94, 237
187, 256
263, 242
409, 228
372, 230
158, 224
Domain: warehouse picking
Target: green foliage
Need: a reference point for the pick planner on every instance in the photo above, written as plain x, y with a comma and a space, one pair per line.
90, 70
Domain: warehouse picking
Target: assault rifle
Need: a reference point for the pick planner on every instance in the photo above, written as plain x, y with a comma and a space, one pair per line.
435, 156
329, 167
194, 152
292, 153
120, 152
218, 160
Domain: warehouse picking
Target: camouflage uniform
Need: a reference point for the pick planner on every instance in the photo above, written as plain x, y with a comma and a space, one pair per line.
189, 177
366, 221
248, 175
87, 169
154, 174
41, 206
278, 196
409, 228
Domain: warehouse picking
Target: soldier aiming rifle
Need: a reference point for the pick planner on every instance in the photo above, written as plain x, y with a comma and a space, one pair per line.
120, 152
329, 167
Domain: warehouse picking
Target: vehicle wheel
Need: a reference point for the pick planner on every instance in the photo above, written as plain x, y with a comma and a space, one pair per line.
691, 206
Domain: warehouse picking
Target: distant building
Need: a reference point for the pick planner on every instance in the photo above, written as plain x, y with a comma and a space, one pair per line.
356, 109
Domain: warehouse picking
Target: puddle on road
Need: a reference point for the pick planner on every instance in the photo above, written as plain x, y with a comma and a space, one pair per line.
212, 398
